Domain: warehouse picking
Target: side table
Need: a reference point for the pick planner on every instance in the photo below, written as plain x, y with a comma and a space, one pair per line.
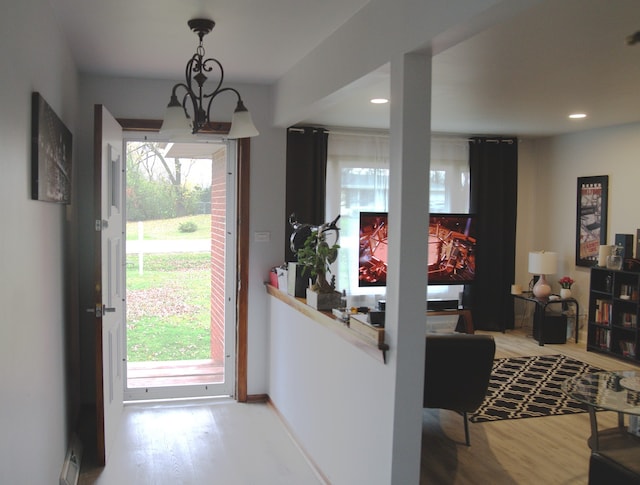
541, 308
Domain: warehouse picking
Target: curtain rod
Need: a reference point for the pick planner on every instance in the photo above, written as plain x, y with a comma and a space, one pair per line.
509, 141
347, 131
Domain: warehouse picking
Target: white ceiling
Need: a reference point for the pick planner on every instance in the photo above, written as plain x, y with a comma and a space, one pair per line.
520, 78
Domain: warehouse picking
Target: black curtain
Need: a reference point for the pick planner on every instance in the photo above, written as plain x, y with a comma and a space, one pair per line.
493, 171
306, 178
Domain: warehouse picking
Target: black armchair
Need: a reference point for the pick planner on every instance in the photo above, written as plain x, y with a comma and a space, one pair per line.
457, 371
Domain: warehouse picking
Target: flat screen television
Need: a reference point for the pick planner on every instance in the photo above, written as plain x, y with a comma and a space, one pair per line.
451, 249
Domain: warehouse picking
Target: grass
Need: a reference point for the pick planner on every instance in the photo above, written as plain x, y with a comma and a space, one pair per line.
169, 228
168, 307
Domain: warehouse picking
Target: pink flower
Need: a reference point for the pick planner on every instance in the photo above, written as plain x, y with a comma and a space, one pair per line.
566, 282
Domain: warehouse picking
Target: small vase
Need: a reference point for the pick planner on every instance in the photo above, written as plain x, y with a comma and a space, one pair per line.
565, 292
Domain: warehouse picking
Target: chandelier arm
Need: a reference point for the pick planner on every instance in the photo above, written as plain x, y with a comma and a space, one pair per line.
209, 69
213, 95
187, 95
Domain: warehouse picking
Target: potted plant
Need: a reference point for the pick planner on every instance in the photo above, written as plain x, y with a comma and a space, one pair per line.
565, 283
316, 257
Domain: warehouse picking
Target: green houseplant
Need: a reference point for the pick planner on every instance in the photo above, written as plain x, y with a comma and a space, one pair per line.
316, 257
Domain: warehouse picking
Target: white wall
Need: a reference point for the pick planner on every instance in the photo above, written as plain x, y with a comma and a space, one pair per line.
334, 396
143, 98
555, 165
33, 287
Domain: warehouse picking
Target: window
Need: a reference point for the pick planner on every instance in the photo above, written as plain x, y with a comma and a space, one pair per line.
358, 180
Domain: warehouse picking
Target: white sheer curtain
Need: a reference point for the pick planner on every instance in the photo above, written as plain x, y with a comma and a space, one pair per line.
358, 180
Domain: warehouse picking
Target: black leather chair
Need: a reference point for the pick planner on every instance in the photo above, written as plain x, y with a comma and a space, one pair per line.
457, 371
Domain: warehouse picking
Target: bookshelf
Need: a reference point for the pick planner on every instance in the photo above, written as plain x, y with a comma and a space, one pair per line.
614, 306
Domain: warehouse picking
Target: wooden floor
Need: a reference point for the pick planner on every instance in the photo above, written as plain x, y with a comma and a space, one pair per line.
230, 443
198, 443
550, 450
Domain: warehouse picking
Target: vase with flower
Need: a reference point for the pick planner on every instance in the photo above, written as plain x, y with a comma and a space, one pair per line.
565, 286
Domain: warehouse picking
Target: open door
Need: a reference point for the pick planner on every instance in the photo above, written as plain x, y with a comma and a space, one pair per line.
109, 277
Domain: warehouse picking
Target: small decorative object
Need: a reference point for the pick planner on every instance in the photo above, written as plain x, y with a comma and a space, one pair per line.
614, 260
316, 257
565, 283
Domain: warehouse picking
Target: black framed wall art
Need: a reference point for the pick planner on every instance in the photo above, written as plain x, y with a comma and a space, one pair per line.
51, 150
591, 218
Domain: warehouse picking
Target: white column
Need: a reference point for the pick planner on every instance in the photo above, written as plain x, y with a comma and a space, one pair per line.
407, 274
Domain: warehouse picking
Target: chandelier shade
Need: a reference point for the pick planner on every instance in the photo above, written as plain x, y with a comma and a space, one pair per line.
189, 108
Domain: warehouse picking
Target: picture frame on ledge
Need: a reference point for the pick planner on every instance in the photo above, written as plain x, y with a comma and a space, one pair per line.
51, 154
591, 218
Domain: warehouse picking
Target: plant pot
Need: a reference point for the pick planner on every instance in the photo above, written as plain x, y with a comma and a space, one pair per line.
565, 292
323, 301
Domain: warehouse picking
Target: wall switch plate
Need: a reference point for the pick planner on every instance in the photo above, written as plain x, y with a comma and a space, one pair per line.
262, 236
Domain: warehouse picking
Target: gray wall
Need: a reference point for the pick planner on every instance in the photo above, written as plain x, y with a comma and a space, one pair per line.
34, 285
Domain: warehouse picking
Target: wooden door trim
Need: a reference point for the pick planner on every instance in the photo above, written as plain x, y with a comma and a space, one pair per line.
242, 240
242, 255
97, 268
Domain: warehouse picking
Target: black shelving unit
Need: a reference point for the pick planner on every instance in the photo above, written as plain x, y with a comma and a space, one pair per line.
614, 306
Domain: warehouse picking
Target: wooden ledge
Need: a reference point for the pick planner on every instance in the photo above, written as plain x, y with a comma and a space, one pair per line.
327, 320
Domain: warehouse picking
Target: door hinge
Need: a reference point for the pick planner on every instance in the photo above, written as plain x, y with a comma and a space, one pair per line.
101, 224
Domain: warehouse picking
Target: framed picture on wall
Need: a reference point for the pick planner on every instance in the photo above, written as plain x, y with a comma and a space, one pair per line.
51, 144
591, 218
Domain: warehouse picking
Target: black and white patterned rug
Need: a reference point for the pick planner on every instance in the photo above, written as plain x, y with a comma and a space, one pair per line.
529, 387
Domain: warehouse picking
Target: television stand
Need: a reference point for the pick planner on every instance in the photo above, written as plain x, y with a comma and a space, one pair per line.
438, 308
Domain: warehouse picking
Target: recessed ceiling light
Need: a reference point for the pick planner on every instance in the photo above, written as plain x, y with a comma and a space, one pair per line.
379, 100
577, 116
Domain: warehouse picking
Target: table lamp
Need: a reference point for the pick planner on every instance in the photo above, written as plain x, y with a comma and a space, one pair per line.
542, 263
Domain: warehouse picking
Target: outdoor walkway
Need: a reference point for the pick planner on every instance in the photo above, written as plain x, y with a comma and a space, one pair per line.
169, 246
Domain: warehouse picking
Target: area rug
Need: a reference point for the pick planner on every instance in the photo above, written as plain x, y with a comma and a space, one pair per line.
529, 387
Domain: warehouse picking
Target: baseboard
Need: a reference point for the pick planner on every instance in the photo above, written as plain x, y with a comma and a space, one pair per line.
257, 398
72, 462
293, 437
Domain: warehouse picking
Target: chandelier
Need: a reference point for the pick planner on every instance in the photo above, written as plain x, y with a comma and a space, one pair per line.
177, 120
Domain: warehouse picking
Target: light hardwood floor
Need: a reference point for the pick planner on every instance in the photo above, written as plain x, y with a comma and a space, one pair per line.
198, 443
225, 442
550, 450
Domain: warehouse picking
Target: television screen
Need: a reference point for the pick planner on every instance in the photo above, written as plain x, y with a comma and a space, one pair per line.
451, 249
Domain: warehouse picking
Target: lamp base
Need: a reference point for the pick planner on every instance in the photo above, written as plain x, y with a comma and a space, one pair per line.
541, 289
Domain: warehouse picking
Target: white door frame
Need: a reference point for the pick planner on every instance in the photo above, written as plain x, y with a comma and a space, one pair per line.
226, 388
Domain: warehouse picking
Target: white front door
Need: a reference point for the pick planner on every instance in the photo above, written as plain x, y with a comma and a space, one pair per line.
109, 280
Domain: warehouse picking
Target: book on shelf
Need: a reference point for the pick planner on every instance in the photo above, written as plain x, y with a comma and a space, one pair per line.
628, 348
603, 311
629, 320
628, 292
602, 338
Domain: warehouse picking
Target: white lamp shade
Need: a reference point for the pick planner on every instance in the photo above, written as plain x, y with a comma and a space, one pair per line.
543, 262
242, 125
175, 122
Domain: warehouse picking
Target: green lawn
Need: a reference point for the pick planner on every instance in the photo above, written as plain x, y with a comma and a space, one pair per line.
168, 307
169, 228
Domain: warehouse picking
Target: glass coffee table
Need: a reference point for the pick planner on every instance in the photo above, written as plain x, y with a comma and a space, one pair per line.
617, 391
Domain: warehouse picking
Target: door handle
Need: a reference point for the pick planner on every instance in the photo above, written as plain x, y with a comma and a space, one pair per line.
99, 310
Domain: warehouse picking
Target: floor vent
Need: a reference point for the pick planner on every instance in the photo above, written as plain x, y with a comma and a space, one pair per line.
71, 466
